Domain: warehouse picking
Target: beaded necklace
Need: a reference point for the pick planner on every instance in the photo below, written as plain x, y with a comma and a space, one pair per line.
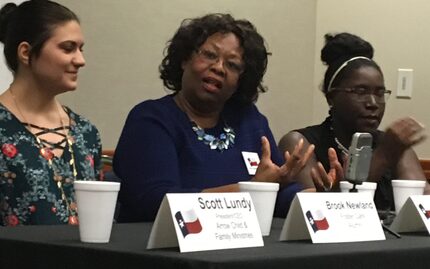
48, 155
221, 143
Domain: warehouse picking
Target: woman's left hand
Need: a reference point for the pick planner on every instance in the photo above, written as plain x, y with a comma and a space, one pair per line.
399, 136
269, 172
325, 181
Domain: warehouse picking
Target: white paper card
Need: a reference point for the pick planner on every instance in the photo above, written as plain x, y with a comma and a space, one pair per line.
332, 217
414, 216
251, 160
206, 221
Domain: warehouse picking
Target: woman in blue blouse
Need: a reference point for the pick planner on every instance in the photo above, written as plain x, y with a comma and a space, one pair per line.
197, 139
44, 146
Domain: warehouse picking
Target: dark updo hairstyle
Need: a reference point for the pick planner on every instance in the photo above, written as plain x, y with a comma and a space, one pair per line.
340, 48
33, 22
193, 33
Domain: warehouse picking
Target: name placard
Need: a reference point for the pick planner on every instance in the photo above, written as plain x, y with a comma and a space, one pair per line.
206, 221
332, 217
414, 216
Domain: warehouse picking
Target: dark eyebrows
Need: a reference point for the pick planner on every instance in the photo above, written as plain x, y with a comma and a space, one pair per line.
71, 43
366, 86
230, 56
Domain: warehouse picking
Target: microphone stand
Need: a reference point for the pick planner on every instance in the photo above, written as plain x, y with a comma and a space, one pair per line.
354, 184
358, 164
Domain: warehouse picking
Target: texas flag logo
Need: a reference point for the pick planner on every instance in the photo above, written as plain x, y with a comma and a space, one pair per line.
317, 220
253, 162
188, 222
424, 211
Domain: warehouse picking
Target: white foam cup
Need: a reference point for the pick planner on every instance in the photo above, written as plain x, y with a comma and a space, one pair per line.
96, 202
403, 188
365, 187
263, 195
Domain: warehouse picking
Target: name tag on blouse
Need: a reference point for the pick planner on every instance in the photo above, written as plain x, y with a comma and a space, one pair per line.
251, 160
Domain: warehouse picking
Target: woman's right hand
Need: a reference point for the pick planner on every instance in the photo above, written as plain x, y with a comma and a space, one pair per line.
325, 181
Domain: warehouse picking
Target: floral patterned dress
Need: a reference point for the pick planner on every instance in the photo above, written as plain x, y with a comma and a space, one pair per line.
28, 193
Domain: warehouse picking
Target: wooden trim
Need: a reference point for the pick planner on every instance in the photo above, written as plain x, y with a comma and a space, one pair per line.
107, 156
108, 152
425, 164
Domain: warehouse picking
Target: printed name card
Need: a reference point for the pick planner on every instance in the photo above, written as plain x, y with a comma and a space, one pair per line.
206, 221
414, 216
332, 217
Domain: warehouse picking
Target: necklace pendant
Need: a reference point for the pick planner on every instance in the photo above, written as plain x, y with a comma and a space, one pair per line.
213, 144
73, 206
73, 220
46, 153
32, 208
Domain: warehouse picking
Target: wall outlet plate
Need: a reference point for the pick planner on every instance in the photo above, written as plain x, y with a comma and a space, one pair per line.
404, 83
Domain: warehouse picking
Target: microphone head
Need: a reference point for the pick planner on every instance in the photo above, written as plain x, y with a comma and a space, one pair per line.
359, 158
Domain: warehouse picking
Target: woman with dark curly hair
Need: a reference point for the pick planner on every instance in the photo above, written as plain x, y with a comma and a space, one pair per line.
355, 91
202, 137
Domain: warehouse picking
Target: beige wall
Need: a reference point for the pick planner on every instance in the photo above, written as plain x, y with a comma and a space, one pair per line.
400, 33
125, 40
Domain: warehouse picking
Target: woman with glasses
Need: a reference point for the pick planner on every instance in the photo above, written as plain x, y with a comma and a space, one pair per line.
355, 91
208, 135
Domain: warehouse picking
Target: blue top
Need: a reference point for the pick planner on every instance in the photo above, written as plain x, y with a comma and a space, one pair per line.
159, 153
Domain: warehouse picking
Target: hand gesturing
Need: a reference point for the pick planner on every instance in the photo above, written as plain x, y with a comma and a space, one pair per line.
325, 181
294, 163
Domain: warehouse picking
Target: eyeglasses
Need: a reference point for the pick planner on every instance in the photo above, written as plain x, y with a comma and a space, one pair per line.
211, 57
381, 95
